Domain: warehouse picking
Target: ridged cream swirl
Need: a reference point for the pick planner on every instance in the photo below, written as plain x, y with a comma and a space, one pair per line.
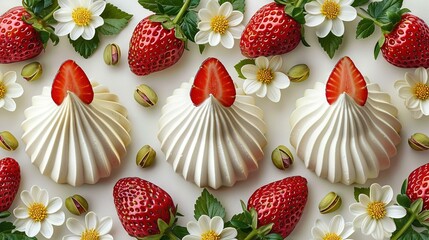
76, 143
212, 145
345, 142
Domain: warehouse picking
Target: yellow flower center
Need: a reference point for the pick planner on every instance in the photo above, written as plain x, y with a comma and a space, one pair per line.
219, 24
81, 16
3, 90
210, 235
265, 75
38, 212
331, 236
330, 9
421, 91
90, 234
376, 210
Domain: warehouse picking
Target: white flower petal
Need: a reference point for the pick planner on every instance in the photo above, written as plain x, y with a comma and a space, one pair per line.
336, 225
337, 27
262, 92
216, 224
314, 20
388, 224
105, 225
225, 9
98, 7
88, 33
405, 92
395, 211
313, 8
20, 224
227, 40
35, 193
43, 197
9, 78
281, 80
364, 199
344, 3
204, 26
21, 212
54, 205
417, 114
375, 192
262, 62
202, 37
97, 21
251, 86
71, 237
14, 90
205, 15
91, 220
411, 79
63, 29
2, 102
228, 233
204, 223
193, 228
63, 15
106, 237
32, 228
236, 31
56, 219
317, 233
213, 5
378, 232
412, 102
250, 71
75, 226
348, 231
322, 226
191, 237
357, 209
26, 198
273, 93
67, 4
386, 194
347, 13
9, 104
422, 74
235, 18
324, 28
368, 225
76, 32
214, 39
275, 63
424, 106
46, 229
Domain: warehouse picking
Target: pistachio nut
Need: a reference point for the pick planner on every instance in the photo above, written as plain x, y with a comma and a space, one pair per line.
32, 71
8, 141
282, 157
112, 54
419, 142
298, 73
145, 96
145, 156
330, 203
76, 204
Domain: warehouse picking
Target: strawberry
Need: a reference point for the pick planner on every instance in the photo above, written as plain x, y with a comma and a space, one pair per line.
346, 78
10, 177
71, 78
213, 79
153, 48
140, 204
407, 45
269, 32
19, 41
281, 202
418, 185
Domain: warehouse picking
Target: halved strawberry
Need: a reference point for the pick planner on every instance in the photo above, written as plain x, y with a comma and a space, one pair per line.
346, 78
71, 78
214, 79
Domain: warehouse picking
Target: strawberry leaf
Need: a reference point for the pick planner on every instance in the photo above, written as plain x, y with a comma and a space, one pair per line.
378, 45
169, 7
6, 229
359, 191
365, 28
238, 5
208, 205
330, 44
189, 25
85, 47
403, 200
114, 20
179, 231
239, 65
4, 214
241, 221
404, 186
273, 236
358, 3
378, 10
194, 4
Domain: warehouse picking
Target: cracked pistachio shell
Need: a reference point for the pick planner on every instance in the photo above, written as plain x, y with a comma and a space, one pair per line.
298, 73
76, 204
8, 141
112, 54
419, 142
145, 96
330, 203
145, 156
282, 157
32, 71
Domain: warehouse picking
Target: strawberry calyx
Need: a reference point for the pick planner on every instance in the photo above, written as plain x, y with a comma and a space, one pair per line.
167, 230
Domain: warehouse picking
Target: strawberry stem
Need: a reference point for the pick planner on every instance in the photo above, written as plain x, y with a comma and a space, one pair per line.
182, 11
50, 14
299, 3
252, 234
405, 227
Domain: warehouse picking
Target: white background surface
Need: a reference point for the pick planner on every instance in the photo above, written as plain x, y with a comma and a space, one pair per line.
122, 82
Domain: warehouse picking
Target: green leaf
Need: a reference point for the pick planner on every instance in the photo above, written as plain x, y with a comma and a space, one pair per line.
169, 7
180, 231
85, 47
4, 214
359, 191
194, 4
15, 236
404, 186
238, 5
304, 42
378, 45
378, 10
160, 18
201, 48
114, 20
6, 227
330, 44
403, 200
273, 236
189, 25
417, 206
358, 3
365, 28
208, 205
162, 225
241, 221
239, 65
254, 216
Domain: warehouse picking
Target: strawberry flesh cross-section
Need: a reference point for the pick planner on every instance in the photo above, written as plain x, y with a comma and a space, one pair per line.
71, 78
346, 78
213, 79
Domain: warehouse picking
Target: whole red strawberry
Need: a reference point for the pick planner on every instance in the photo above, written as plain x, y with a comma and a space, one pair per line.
140, 204
153, 48
418, 185
281, 202
10, 177
407, 45
270, 32
19, 41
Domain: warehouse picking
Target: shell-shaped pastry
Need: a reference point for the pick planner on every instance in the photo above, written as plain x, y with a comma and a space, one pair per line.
345, 142
212, 145
76, 143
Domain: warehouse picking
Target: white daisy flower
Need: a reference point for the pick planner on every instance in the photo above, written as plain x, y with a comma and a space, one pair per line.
94, 228
38, 213
219, 24
336, 230
264, 78
374, 214
328, 16
9, 89
207, 228
79, 18
415, 90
